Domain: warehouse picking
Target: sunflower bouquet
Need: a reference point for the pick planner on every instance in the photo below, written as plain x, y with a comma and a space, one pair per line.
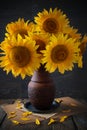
49, 40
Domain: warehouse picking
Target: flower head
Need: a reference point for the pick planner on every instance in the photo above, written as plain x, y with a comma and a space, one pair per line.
61, 54
73, 33
19, 27
41, 39
20, 54
52, 21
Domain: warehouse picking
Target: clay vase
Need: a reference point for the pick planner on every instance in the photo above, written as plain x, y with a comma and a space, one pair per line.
41, 90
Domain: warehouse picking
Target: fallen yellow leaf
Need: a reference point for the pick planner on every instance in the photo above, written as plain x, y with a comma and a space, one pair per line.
51, 121
25, 114
63, 118
58, 100
11, 116
15, 122
12, 113
19, 105
25, 119
37, 122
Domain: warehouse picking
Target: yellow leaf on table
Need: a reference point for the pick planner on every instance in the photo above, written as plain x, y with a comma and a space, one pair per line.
51, 121
63, 118
11, 116
12, 113
25, 119
58, 100
37, 122
15, 122
19, 105
25, 114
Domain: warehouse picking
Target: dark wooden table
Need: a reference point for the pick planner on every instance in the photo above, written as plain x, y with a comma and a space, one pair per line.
75, 122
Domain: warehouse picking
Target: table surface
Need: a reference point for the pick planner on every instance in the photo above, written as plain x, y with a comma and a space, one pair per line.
75, 122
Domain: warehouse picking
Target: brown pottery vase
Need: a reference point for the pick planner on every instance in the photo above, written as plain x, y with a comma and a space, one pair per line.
41, 90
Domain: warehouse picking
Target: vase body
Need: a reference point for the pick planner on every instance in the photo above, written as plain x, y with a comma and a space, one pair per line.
41, 90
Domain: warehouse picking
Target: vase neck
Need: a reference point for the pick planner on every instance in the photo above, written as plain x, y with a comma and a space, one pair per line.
41, 75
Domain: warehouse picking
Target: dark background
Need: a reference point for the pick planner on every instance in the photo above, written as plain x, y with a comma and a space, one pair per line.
73, 83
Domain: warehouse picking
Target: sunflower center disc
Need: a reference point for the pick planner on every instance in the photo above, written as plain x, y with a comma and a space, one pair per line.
19, 56
59, 53
50, 25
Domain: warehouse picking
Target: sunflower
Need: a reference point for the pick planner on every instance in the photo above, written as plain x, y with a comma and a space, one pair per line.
62, 53
52, 21
19, 56
72, 32
19, 27
41, 39
82, 46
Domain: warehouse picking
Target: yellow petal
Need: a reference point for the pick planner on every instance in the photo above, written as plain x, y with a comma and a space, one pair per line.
11, 116
37, 122
51, 121
25, 119
24, 114
19, 107
12, 113
15, 122
58, 100
63, 118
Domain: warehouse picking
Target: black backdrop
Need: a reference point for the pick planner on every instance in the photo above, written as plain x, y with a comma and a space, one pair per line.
72, 83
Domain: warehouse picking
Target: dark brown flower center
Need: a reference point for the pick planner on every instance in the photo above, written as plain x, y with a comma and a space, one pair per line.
50, 25
59, 53
19, 56
41, 45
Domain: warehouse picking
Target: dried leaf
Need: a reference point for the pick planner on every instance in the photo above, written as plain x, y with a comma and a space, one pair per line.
15, 122
12, 113
25, 114
37, 122
25, 119
58, 100
19, 105
12, 116
51, 121
63, 118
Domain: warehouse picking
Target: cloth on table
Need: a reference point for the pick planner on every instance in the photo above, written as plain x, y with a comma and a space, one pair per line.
67, 106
